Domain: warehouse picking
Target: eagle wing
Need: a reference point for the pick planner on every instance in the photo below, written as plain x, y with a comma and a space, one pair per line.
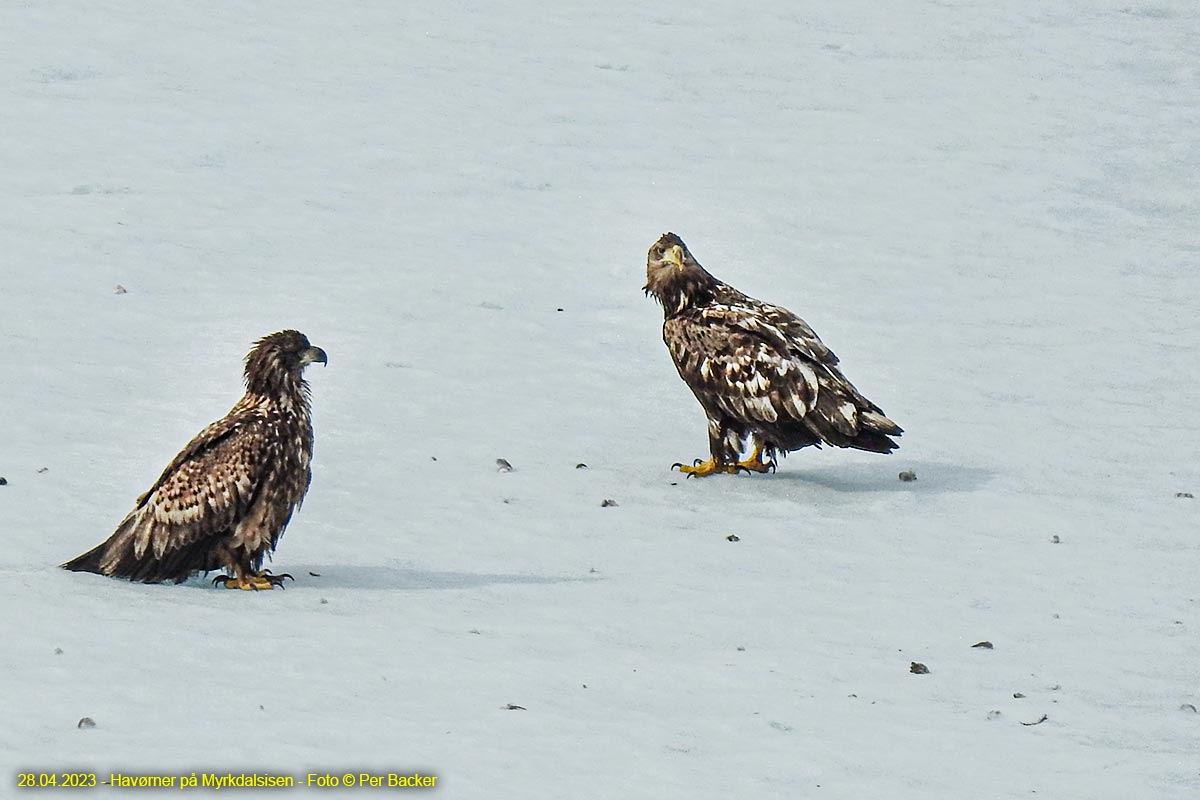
204, 491
776, 322
763, 365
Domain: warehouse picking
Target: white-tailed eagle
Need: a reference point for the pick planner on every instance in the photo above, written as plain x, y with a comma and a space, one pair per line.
767, 383
224, 501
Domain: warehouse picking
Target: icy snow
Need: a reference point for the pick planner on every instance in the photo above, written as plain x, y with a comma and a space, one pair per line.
988, 210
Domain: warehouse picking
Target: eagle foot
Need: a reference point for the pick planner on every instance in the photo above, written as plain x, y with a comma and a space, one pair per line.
755, 463
701, 469
259, 582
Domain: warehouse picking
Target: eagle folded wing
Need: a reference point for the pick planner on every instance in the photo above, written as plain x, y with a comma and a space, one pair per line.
786, 329
837, 402
204, 491
744, 367
800, 337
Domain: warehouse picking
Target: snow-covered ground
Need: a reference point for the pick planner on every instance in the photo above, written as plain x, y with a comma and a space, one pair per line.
989, 210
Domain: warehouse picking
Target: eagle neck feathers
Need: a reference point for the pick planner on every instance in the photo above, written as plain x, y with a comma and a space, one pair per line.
684, 290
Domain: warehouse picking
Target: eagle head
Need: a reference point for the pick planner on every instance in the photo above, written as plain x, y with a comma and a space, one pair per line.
277, 361
674, 277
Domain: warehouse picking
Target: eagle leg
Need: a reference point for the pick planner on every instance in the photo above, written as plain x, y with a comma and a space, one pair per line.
253, 581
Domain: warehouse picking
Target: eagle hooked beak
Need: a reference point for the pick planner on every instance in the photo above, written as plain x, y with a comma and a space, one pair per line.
313, 354
674, 255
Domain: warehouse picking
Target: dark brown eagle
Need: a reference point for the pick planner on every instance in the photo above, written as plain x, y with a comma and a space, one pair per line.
767, 383
225, 500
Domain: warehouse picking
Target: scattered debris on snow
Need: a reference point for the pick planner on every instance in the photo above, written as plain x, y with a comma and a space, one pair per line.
1038, 722
513, 707
581, 465
908, 476
986, 645
1187, 495
608, 503
502, 465
120, 290
85, 723
917, 668
733, 537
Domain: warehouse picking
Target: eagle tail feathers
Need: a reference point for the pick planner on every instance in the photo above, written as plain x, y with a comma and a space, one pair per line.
873, 441
88, 562
871, 436
117, 557
876, 421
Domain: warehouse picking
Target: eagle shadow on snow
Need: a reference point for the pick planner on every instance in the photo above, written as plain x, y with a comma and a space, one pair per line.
932, 477
405, 579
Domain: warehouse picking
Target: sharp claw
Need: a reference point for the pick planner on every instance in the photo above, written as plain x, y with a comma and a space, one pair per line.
676, 465
697, 462
771, 467
740, 469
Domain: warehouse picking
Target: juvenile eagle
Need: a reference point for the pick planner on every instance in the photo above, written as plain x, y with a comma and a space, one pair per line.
767, 383
225, 500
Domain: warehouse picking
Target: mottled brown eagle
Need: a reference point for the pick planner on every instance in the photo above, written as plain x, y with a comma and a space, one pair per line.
225, 500
767, 383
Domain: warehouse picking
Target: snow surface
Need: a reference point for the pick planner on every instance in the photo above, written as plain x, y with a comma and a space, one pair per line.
988, 209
